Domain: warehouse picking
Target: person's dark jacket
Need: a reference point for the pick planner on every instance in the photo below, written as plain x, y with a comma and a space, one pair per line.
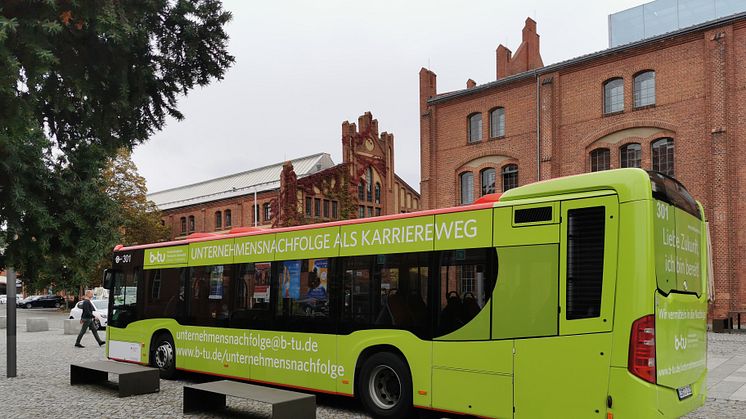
87, 307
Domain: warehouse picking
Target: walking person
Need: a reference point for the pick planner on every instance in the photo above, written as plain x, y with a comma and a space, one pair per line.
86, 319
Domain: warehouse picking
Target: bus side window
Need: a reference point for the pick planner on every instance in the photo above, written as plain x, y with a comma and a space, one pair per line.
466, 284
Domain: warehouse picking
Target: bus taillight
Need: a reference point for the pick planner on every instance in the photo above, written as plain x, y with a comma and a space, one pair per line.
642, 348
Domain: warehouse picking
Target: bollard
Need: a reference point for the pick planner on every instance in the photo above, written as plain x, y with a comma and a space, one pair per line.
72, 326
37, 324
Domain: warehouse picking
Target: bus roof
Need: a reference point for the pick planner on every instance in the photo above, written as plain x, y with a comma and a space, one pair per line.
629, 184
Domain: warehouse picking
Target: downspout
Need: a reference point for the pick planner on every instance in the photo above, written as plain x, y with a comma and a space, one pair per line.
538, 127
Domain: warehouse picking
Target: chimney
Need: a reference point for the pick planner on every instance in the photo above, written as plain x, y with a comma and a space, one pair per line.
527, 56
427, 87
470, 83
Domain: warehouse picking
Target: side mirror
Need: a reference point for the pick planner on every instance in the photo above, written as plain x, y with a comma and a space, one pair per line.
108, 276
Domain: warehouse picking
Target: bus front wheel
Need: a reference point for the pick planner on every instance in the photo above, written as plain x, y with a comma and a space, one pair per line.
385, 386
163, 355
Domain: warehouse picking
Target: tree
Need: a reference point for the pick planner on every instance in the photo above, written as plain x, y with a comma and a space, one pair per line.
78, 81
140, 218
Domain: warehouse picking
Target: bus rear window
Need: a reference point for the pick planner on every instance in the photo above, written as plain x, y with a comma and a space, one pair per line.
669, 190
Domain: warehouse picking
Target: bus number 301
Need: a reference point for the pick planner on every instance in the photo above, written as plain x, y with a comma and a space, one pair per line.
662, 211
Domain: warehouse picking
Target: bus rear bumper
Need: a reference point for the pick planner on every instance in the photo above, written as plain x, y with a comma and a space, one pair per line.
632, 397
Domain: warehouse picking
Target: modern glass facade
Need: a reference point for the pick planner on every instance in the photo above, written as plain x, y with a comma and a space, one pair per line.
662, 16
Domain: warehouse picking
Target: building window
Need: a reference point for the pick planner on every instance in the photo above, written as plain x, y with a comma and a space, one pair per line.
644, 89
267, 211
309, 211
510, 177
361, 211
614, 96
369, 184
600, 159
191, 224
218, 220
370, 211
317, 207
335, 213
360, 191
326, 208
378, 212
467, 188
487, 177
497, 123
663, 156
228, 220
630, 155
475, 127
378, 193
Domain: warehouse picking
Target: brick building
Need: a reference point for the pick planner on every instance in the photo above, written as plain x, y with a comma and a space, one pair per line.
300, 191
671, 102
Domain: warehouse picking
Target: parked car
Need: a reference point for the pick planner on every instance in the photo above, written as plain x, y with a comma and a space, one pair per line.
4, 298
41, 301
99, 314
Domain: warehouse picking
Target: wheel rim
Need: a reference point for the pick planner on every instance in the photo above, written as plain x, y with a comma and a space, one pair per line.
164, 355
384, 387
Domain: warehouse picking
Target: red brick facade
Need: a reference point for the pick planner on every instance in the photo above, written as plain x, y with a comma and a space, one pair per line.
329, 194
700, 80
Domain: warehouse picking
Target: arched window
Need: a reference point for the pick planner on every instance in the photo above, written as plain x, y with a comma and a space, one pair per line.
510, 177
663, 155
360, 191
378, 193
218, 220
369, 184
228, 221
467, 187
644, 92
267, 211
613, 96
191, 224
183, 225
487, 178
497, 123
475, 127
600, 159
630, 155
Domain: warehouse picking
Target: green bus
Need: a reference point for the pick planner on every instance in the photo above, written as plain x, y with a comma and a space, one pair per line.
582, 296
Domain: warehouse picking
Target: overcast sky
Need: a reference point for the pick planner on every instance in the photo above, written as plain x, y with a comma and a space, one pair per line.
304, 67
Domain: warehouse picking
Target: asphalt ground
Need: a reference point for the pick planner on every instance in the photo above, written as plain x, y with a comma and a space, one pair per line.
42, 387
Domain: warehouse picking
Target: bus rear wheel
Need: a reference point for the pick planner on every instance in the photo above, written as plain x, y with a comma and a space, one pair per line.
385, 386
163, 355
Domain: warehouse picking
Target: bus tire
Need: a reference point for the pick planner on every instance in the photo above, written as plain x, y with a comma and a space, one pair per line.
163, 355
385, 386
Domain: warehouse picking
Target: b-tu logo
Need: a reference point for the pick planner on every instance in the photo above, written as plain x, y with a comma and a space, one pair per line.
157, 257
679, 342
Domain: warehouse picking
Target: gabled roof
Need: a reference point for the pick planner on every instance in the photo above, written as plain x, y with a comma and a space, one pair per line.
263, 179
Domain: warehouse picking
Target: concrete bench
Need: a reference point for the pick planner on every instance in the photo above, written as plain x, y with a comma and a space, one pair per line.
285, 404
72, 326
133, 378
37, 324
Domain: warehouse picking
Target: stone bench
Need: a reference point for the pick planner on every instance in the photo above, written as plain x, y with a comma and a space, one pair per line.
37, 324
133, 378
72, 326
285, 404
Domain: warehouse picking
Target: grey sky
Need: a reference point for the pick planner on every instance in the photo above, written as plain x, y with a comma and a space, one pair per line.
304, 67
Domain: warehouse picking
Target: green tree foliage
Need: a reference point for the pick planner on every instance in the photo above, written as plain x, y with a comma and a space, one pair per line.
140, 218
80, 79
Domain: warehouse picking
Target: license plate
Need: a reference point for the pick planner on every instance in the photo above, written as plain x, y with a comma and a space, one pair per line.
684, 392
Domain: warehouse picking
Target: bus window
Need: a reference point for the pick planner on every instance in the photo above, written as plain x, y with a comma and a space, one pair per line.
403, 292
124, 310
163, 296
356, 290
466, 282
304, 288
209, 298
